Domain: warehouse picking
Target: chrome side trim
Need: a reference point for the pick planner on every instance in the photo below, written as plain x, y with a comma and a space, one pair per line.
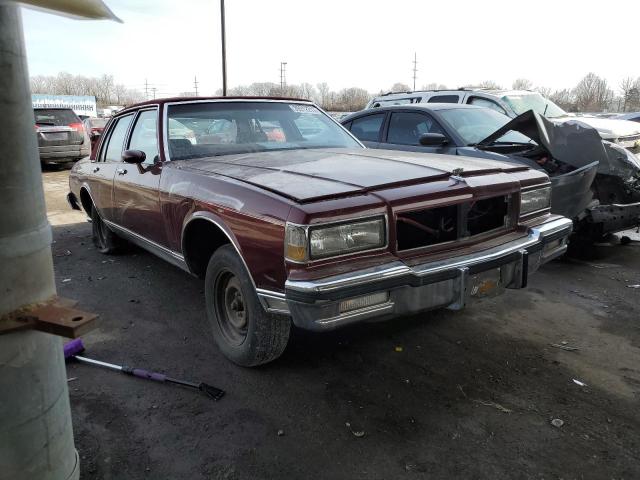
218, 223
398, 269
166, 254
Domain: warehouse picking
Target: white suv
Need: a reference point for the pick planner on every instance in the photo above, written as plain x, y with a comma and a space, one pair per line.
514, 103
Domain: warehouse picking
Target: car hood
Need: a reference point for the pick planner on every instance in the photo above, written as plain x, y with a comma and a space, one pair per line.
314, 174
608, 128
571, 142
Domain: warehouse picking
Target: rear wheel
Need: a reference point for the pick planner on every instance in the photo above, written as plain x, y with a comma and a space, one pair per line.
103, 238
245, 333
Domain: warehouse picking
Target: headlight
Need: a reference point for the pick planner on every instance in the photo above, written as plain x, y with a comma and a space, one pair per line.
304, 243
534, 200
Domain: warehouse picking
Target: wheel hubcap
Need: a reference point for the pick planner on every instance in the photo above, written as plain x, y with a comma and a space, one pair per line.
232, 310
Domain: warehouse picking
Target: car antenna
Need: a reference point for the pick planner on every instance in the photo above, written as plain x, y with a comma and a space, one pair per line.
544, 114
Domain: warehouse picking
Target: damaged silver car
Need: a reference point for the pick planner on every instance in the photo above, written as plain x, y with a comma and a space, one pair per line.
594, 182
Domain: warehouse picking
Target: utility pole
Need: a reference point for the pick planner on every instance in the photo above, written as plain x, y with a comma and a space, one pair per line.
415, 69
153, 89
224, 50
195, 84
283, 76
36, 435
146, 89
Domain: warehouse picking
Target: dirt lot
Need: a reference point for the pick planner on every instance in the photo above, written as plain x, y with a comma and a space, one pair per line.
443, 395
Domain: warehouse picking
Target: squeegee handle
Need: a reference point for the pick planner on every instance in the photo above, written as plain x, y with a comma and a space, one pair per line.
142, 373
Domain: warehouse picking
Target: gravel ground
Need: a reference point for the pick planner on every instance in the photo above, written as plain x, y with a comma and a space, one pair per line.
469, 394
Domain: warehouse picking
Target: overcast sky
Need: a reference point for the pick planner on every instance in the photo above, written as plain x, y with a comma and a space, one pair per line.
369, 44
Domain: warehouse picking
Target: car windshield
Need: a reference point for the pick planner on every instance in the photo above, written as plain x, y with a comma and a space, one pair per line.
533, 101
205, 129
476, 124
56, 117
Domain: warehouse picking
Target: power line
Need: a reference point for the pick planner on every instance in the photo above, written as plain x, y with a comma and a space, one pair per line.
415, 69
283, 75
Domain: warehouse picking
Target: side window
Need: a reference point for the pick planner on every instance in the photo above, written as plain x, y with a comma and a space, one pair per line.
444, 99
405, 128
145, 135
484, 102
113, 152
367, 128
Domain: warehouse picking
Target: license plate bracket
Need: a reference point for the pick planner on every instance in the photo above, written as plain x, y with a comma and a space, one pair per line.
486, 284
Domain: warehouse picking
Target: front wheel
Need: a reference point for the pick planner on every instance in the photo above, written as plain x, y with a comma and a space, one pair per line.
245, 333
103, 238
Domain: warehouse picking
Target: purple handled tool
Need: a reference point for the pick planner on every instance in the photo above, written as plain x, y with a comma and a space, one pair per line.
74, 347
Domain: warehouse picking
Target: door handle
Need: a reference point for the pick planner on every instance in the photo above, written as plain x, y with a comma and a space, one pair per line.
96, 169
121, 171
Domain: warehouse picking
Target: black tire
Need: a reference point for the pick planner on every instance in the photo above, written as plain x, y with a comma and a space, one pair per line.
104, 239
245, 333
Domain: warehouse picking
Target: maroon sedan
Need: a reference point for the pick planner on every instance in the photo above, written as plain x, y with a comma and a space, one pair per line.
310, 227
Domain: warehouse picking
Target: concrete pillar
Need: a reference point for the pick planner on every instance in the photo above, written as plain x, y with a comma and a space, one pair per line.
36, 438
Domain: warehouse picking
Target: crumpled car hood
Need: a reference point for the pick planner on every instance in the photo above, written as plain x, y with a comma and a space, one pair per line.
608, 128
306, 175
571, 142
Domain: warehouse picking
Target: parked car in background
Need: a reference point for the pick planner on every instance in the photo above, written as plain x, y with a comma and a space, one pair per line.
311, 229
631, 116
516, 102
594, 182
62, 137
94, 127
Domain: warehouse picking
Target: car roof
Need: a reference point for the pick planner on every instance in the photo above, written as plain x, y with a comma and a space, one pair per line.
159, 101
414, 106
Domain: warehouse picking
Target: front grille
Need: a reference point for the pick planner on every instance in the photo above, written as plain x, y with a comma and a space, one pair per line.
434, 226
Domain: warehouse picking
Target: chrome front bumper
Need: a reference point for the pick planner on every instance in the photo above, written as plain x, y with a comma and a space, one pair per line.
400, 289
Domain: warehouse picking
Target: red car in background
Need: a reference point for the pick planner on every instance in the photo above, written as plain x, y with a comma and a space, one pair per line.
94, 127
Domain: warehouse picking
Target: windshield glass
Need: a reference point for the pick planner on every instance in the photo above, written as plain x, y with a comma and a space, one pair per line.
476, 124
224, 128
533, 101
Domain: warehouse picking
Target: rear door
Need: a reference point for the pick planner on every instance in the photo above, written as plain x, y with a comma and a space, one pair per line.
405, 128
104, 168
136, 187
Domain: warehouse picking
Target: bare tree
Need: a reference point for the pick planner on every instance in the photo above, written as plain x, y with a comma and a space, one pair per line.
323, 94
400, 87
592, 94
490, 84
522, 84
563, 98
434, 86
630, 94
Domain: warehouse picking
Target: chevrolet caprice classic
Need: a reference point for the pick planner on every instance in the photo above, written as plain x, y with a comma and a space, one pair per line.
290, 220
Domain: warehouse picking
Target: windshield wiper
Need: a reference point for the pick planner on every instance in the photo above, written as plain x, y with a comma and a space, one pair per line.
544, 114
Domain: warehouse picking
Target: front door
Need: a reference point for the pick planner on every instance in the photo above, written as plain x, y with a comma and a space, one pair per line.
136, 187
404, 131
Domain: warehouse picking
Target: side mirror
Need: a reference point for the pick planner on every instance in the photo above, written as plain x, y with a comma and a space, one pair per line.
134, 156
95, 135
433, 139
